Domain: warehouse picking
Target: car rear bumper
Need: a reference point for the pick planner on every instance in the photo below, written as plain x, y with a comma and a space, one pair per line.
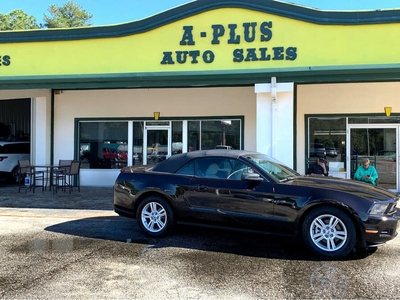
124, 212
123, 200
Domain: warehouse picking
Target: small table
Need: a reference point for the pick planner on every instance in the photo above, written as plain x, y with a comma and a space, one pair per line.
48, 173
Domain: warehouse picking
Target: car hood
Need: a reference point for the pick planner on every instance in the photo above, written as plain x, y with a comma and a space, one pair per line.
345, 186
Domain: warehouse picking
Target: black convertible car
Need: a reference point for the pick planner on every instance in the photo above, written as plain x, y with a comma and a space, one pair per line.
249, 190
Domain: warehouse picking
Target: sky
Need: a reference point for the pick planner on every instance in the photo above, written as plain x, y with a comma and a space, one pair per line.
108, 12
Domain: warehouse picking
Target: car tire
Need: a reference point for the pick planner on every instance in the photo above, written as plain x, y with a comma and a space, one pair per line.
15, 175
155, 216
329, 232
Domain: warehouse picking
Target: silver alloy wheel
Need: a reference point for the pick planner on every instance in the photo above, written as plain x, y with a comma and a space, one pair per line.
328, 232
154, 217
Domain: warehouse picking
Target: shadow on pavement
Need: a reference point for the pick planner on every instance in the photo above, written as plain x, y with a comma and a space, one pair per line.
115, 228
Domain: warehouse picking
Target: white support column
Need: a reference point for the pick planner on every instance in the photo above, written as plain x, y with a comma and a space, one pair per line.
40, 130
263, 123
130, 144
184, 136
274, 124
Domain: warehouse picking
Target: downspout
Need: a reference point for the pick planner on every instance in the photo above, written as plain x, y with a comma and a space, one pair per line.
273, 118
52, 128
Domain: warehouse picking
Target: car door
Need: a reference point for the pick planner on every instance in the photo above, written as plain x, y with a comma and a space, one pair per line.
220, 198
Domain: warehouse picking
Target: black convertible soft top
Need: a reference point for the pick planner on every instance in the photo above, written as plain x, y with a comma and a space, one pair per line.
174, 162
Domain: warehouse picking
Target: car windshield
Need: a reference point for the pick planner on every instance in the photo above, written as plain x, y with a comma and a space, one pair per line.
273, 167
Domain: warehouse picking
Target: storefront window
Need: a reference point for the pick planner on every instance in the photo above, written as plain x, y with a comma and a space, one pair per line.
176, 137
327, 136
137, 158
209, 134
103, 145
193, 136
231, 133
220, 132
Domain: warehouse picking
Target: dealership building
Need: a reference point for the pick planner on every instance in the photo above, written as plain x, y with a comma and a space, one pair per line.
258, 75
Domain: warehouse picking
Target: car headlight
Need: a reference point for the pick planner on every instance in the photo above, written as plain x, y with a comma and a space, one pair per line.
379, 208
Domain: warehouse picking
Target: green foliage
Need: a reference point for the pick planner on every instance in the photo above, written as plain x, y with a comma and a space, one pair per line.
17, 20
66, 16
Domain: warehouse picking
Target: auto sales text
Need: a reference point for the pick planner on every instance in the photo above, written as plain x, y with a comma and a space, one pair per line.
5, 60
249, 32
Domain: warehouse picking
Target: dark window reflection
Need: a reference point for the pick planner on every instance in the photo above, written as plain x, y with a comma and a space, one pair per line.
205, 135
137, 158
103, 145
177, 140
374, 120
193, 136
327, 137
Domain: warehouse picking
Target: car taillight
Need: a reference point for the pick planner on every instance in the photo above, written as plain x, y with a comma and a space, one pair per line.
3, 158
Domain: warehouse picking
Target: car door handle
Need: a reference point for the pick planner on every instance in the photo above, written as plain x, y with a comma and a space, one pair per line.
201, 187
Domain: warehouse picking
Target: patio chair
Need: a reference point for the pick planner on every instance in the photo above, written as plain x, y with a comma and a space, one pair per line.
36, 178
66, 177
63, 165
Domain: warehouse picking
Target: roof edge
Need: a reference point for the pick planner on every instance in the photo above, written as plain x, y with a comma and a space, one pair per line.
292, 11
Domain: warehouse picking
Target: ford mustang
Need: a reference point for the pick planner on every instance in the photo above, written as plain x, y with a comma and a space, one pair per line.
251, 191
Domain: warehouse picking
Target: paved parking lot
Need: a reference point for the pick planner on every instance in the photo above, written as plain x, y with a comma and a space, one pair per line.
73, 246
96, 198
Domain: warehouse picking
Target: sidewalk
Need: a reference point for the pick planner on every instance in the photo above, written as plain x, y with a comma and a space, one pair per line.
89, 198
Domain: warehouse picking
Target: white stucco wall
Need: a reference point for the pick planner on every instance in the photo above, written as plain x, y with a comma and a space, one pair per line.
21, 94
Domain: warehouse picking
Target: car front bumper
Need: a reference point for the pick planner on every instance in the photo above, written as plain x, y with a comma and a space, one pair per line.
379, 230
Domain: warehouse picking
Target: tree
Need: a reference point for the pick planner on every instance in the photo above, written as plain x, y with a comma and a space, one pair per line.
17, 20
66, 16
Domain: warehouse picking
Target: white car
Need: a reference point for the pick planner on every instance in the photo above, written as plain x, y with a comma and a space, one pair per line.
10, 154
331, 152
224, 147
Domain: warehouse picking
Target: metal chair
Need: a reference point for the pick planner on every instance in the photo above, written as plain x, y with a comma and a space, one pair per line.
27, 171
64, 163
65, 177
63, 166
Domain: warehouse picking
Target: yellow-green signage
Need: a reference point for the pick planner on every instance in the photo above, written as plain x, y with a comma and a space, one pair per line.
205, 41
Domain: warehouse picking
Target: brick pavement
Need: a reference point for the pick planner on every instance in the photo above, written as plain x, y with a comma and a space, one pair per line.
89, 198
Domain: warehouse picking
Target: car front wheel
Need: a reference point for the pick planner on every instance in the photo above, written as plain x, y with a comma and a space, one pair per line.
15, 175
329, 232
155, 216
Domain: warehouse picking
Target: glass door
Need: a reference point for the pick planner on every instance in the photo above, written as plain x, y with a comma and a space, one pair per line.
157, 144
378, 143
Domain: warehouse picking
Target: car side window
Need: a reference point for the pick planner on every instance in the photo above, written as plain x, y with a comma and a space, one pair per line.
213, 168
187, 169
238, 168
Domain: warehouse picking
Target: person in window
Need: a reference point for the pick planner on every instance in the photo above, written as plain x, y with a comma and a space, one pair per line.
366, 173
318, 168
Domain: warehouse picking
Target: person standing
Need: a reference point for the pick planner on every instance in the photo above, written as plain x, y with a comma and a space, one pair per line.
366, 172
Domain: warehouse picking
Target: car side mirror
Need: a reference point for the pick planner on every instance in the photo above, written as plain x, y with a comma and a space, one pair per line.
252, 177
